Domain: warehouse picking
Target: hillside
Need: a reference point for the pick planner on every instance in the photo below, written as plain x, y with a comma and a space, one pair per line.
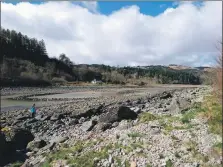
25, 62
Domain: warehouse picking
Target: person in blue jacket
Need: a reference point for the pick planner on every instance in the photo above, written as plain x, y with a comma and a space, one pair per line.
33, 111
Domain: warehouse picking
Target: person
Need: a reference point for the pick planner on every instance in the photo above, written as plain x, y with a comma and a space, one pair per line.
33, 110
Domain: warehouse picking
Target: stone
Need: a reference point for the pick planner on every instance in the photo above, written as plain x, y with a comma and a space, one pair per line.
81, 120
56, 117
21, 118
37, 144
59, 139
73, 122
115, 124
102, 126
87, 126
110, 159
117, 113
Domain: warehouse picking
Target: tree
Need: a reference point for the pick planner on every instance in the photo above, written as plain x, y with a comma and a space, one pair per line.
65, 60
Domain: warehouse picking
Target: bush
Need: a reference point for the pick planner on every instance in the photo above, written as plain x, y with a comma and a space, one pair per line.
58, 80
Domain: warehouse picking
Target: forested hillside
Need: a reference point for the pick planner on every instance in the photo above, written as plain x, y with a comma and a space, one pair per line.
25, 60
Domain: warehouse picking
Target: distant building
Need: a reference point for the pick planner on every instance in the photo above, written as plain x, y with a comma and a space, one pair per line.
96, 81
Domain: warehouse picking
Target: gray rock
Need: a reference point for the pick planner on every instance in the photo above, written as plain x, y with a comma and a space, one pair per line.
184, 104
59, 139
37, 144
115, 124
87, 126
102, 126
117, 113
56, 117
81, 120
73, 122
49, 146
110, 159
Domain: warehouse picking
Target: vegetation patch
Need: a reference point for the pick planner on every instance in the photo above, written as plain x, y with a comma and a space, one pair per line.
169, 163
135, 134
146, 117
212, 111
218, 148
73, 157
16, 164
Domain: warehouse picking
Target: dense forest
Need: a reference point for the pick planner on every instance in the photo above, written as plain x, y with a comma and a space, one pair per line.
25, 60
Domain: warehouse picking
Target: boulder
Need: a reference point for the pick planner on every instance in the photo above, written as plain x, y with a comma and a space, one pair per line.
117, 113
42, 117
87, 126
56, 117
102, 126
59, 139
184, 103
23, 117
37, 144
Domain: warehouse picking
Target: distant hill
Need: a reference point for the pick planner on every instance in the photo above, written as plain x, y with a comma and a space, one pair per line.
25, 60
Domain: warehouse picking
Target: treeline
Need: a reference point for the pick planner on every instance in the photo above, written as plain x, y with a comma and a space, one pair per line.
26, 59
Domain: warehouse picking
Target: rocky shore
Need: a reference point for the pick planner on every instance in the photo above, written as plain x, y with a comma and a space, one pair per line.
127, 129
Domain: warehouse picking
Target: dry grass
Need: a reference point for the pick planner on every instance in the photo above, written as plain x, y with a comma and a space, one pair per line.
217, 80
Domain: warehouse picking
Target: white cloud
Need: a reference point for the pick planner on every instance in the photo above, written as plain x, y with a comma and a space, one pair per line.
186, 35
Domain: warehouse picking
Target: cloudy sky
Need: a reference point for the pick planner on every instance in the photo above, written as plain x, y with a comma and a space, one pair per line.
127, 33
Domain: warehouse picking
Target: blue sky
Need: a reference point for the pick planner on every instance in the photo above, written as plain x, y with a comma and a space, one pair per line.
149, 8
152, 8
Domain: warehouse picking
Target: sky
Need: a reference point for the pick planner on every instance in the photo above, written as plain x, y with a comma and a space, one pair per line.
122, 33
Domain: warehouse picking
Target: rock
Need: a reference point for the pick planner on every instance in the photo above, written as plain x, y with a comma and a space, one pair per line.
42, 117
33, 120
73, 122
59, 139
125, 125
21, 118
81, 120
166, 95
59, 163
49, 146
173, 107
184, 104
96, 118
56, 117
102, 126
37, 144
133, 164
110, 159
117, 113
115, 124
87, 126
29, 154
96, 160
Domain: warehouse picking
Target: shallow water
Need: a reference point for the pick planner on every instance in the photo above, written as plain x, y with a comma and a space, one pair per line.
7, 105
72, 95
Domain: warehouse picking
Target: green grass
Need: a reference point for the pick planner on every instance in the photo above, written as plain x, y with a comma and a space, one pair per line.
213, 111
135, 134
218, 148
192, 147
169, 163
16, 164
146, 117
186, 118
80, 160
